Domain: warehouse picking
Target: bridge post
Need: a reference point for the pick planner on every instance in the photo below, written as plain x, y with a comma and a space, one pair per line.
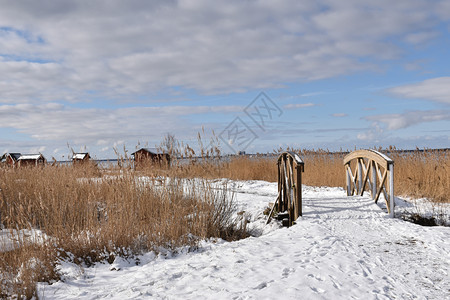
391, 190
298, 191
348, 182
360, 177
374, 180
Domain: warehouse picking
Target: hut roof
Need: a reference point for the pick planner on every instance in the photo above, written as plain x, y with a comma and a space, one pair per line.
30, 157
80, 155
150, 150
14, 156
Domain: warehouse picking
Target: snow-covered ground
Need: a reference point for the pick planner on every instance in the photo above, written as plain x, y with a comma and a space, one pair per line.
342, 248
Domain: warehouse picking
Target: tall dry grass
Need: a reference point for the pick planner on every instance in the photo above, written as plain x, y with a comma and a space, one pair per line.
422, 174
97, 218
417, 174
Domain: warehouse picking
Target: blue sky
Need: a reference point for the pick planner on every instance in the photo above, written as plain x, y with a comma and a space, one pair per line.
94, 75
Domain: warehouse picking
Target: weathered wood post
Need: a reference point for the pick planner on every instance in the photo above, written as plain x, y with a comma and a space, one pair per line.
374, 180
348, 182
391, 190
360, 181
298, 191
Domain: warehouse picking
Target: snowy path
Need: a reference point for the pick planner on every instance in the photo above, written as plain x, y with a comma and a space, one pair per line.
342, 248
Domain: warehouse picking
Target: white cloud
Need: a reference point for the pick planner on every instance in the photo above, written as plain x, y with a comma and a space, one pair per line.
435, 89
102, 126
420, 37
339, 115
410, 118
383, 126
374, 134
298, 105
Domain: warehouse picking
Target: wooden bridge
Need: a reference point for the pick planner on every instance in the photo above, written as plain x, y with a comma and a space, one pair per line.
372, 170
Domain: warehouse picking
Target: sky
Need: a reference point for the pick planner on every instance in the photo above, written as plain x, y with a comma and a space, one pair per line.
254, 76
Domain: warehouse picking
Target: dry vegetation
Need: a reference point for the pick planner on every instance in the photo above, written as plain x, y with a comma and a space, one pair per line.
417, 174
423, 174
89, 219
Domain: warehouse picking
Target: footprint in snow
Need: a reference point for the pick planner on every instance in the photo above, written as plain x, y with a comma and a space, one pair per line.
317, 290
177, 275
287, 272
261, 286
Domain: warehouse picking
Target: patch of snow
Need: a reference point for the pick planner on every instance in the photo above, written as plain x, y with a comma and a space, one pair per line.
79, 156
11, 239
29, 156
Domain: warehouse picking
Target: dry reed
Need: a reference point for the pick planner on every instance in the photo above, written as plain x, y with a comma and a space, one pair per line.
95, 219
420, 173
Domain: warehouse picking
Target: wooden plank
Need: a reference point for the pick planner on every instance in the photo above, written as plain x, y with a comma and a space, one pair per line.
347, 180
351, 180
299, 190
273, 208
359, 162
391, 207
374, 180
365, 170
380, 188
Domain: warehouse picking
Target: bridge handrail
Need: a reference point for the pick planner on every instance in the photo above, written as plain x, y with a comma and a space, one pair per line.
379, 157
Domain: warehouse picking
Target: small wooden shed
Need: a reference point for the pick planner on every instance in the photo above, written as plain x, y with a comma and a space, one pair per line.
148, 156
80, 158
10, 159
31, 160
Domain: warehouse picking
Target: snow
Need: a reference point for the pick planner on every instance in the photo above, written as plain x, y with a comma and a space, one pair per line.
11, 239
30, 156
79, 156
342, 248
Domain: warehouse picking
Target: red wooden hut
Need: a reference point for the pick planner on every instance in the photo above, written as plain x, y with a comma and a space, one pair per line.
80, 158
31, 160
10, 159
148, 156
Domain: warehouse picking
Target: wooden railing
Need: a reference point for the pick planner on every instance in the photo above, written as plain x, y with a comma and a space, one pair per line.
373, 170
289, 200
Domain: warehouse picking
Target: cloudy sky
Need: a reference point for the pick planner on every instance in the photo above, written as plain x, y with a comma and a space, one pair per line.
94, 75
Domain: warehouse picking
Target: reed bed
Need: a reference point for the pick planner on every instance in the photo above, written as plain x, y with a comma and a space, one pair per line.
417, 174
422, 174
89, 219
